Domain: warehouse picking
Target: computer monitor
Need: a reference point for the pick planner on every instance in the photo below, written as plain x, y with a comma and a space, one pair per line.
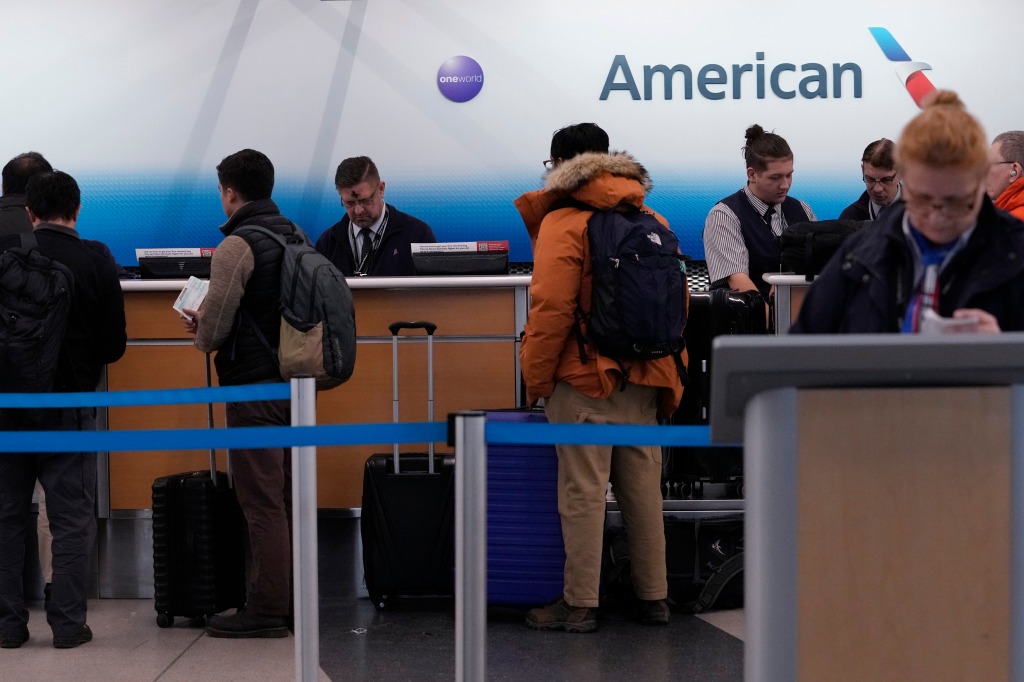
179, 263
174, 268
461, 258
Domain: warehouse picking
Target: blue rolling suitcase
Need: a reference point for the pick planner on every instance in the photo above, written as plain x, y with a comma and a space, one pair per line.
525, 553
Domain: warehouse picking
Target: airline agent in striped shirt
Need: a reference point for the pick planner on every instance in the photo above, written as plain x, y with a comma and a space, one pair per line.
740, 230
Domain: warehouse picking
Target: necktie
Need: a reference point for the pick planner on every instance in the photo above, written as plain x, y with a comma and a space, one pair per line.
767, 217
365, 243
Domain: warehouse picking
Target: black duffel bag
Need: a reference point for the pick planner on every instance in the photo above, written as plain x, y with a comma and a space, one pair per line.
807, 246
703, 562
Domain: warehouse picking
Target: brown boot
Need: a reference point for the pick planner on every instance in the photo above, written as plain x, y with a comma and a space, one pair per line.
562, 616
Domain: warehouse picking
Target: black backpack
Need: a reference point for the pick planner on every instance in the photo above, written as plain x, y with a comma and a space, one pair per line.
806, 247
35, 300
318, 318
638, 297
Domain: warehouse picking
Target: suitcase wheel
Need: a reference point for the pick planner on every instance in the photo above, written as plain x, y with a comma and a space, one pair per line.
164, 620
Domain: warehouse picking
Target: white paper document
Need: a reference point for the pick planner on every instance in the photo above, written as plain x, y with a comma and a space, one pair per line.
191, 297
933, 323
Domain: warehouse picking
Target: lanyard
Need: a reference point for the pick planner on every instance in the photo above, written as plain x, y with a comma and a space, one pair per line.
363, 268
928, 298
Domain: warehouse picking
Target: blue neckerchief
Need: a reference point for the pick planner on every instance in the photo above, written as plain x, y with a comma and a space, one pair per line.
930, 254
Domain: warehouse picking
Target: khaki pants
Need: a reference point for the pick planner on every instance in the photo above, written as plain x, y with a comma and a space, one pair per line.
583, 475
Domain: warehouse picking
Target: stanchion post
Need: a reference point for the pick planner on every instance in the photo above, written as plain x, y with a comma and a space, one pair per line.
304, 543
470, 547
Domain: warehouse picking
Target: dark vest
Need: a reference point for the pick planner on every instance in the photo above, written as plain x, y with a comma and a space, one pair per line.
243, 359
763, 253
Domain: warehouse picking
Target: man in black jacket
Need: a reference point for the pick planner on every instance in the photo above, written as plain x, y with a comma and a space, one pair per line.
242, 304
95, 336
373, 238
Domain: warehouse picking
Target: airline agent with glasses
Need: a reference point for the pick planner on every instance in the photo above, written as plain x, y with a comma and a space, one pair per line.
881, 181
373, 238
944, 247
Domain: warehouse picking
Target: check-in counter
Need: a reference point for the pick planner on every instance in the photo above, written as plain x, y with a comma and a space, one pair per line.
475, 365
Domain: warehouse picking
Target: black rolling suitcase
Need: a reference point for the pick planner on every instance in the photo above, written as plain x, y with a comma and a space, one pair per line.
710, 314
198, 553
408, 516
198, 543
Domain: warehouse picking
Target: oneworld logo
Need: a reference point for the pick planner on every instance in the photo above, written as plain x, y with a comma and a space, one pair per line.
736, 81
910, 73
460, 79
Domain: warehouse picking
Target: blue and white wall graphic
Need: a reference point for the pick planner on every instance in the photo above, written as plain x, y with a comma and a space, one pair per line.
456, 100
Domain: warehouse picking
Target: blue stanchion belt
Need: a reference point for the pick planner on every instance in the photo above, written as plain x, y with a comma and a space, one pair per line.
298, 436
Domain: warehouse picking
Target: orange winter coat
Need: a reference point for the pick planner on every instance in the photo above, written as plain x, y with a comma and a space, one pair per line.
562, 281
1012, 199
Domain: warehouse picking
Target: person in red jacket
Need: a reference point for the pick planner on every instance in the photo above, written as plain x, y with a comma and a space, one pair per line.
1005, 181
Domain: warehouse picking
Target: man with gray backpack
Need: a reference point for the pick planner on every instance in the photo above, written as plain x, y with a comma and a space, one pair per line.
241, 318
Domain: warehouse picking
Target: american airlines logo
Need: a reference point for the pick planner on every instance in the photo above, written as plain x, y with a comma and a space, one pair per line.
784, 80
910, 73
761, 78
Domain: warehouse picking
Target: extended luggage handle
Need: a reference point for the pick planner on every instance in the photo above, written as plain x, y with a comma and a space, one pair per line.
430, 328
209, 423
396, 327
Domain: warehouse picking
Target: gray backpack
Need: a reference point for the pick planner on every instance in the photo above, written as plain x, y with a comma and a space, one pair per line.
318, 319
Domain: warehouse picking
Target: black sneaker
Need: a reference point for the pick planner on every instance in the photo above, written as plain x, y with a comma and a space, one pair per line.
247, 624
83, 635
14, 638
655, 612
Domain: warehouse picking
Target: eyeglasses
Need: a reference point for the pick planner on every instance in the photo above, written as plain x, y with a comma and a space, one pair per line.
549, 163
955, 207
364, 203
885, 182
1000, 163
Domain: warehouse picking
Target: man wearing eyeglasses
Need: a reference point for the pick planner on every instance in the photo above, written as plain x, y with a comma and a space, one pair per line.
373, 238
882, 182
1005, 181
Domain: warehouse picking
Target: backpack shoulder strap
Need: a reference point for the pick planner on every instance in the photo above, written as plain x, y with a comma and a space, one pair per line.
28, 240
717, 582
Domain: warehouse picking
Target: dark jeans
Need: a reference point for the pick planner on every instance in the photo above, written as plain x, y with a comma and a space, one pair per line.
263, 483
69, 482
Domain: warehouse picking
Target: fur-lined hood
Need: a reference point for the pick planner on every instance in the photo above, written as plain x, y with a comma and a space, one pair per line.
579, 170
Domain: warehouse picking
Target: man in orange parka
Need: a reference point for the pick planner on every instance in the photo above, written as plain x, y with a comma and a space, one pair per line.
593, 391
1005, 181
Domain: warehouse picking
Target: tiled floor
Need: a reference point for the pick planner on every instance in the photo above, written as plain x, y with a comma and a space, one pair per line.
359, 643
